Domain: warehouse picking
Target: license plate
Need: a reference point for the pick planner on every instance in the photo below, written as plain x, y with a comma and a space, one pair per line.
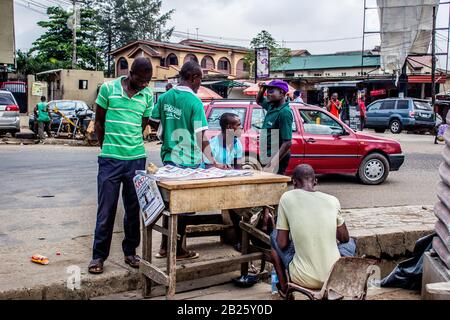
425, 115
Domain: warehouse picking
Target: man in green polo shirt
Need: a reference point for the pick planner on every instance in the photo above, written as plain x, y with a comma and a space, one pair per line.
123, 108
43, 118
276, 133
181, 115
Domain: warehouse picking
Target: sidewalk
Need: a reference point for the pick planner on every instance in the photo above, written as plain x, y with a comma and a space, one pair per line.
380, 233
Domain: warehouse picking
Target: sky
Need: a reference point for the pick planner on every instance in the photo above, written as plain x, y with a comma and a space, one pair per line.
319, 26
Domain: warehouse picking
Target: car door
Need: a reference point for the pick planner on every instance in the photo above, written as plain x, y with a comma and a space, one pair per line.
386, 111
373, 115
329, 146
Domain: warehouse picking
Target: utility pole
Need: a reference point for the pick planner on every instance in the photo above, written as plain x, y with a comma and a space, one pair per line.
197, 32
433, 60
74, 35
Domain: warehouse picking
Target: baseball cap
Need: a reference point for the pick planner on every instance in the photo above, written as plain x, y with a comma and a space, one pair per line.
278, 84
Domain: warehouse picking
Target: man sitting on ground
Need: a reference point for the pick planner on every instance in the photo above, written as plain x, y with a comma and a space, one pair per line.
313, 221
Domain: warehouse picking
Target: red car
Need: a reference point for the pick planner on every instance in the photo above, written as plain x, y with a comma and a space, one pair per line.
319, 139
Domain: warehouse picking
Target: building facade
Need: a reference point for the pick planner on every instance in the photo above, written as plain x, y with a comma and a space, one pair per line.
7, 42
167, 58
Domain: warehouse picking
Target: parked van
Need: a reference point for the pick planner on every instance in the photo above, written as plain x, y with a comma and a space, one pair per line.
400, 114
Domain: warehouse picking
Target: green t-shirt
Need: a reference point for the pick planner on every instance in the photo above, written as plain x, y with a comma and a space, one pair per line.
278, 122
42, 110
181, 115
123, 125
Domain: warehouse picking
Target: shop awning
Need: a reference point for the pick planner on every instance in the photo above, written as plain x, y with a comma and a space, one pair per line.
225, 83
426, 79
337, 84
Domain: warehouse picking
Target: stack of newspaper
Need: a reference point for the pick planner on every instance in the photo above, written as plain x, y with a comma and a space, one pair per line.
180, 174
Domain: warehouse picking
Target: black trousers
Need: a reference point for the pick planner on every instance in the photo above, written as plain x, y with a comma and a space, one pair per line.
112, 174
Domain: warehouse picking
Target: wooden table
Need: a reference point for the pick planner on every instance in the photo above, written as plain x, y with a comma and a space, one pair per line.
260, 189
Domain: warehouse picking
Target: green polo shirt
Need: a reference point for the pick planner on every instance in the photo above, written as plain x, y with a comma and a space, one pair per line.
181, 115
278, 122
43, 116
123, 125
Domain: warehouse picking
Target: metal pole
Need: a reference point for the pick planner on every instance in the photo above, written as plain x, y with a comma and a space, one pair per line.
74, 36
433, 62
256, 66
363, 40
448, 41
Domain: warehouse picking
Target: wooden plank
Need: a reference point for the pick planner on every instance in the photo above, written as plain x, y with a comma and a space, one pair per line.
442, 288
252, 231
218, 263
147, 256
190, 285
226, 197
258, 177
154, 273
229, 234
172, 257
207, 228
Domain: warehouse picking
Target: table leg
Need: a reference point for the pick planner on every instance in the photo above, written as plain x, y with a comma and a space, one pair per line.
244, 249
147, 256
172, 257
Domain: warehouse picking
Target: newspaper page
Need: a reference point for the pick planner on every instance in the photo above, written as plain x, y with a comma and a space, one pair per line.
150, 199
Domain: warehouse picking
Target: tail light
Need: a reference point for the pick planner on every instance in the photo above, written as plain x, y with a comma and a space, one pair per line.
12, 107
412, 114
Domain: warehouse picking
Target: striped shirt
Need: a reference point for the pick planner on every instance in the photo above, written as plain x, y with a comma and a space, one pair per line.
123, 125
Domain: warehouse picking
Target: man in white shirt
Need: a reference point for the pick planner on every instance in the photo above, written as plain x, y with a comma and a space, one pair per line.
298, 97
313, 221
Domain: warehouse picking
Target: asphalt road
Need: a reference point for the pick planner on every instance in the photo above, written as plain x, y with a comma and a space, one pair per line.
45, 187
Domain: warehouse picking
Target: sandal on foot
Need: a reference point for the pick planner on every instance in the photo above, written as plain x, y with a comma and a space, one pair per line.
96, 266
133, 261
160, 256
190, 255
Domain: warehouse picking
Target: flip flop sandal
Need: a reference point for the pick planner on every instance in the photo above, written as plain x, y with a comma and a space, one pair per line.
191, 255
160, 256
96, 266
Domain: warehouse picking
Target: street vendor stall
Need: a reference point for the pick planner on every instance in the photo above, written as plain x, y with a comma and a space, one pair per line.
246, 191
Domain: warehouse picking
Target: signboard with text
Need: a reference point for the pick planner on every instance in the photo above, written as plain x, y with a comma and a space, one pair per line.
262, 63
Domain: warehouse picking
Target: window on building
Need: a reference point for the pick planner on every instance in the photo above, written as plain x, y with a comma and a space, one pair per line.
208, 63
289, 74
344, 74
224, 65
123, 64
190, 57
171, 60
317, 74
83, 84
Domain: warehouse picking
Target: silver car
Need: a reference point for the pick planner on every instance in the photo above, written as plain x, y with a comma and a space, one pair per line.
9, 113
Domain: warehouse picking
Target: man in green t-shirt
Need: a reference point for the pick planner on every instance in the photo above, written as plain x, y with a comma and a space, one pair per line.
276, 133
181, 116
123, 108
43, 118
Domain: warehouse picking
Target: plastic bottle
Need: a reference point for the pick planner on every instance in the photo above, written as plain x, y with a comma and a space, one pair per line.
274, 281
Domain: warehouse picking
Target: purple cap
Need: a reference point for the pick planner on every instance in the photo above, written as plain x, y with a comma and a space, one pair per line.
278, 84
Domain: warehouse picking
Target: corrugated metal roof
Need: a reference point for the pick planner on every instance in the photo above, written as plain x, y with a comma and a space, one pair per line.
331, 61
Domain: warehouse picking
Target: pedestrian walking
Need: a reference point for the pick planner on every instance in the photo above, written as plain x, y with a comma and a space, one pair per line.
123, 109
43, 118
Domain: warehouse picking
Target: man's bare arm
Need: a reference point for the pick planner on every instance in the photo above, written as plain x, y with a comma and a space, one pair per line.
260, 96
154, 124
342, 234
144, 123
100, 118
283, 239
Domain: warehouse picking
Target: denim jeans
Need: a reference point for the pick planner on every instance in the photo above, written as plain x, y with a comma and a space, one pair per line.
112, 174
345, 249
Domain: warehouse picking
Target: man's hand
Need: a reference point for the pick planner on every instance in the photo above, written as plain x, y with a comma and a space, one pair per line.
221, 166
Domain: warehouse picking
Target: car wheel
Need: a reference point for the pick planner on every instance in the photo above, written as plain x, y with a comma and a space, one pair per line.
374, 169
395, 126
380, 130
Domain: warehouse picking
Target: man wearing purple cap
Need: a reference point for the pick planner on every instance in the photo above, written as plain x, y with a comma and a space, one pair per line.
276, 133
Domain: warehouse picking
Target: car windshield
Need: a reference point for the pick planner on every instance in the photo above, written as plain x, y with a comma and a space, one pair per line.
6, 99
422, 106
63, 105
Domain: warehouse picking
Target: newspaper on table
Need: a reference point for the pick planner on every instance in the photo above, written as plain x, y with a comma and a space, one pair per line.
181, 174
150, 199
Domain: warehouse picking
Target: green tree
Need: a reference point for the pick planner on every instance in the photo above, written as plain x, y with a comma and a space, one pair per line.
278, 56
55, 46
124, 21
